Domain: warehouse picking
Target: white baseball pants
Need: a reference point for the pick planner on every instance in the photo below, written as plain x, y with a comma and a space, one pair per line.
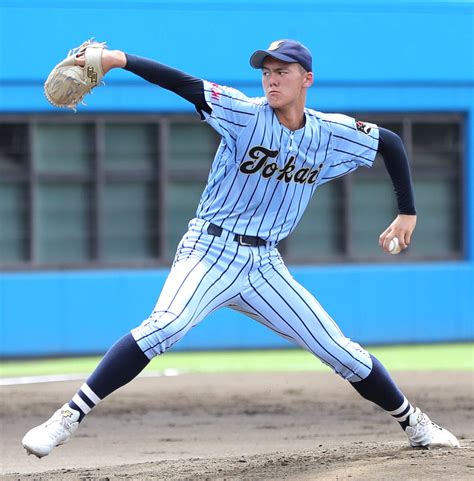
210, 272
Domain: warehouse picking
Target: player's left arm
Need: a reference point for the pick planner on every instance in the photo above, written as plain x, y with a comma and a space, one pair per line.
226, 109
185, 85
396, 162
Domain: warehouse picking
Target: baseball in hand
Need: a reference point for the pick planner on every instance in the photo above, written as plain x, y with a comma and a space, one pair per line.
394, 246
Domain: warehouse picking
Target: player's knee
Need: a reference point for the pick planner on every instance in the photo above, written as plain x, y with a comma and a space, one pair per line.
355, 365
158, 333
353, 372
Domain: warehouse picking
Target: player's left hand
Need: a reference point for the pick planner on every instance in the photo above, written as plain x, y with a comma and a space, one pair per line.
68, 83
110, 59
402, 227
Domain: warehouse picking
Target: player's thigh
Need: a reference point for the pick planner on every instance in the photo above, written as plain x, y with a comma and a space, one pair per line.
289, 309
193, 289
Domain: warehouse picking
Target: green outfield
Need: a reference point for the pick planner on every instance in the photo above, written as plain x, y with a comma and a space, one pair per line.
433, 357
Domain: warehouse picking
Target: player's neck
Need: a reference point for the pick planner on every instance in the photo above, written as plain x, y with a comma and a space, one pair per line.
292, 120
292, 115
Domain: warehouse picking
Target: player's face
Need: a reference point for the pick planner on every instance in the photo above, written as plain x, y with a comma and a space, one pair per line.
284, 83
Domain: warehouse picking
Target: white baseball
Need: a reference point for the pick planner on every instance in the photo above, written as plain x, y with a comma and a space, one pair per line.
394, 246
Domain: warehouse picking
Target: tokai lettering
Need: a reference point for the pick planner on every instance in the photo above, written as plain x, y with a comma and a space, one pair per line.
314, 174
259, 156
269, 169
287, 170
301, 176
261, 161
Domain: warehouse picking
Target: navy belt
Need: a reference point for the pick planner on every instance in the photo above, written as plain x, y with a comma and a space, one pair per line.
243, 240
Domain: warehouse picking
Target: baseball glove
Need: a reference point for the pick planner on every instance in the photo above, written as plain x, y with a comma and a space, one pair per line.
67, 84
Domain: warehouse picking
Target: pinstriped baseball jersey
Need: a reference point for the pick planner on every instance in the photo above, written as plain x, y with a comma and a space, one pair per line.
260, 183
263, 174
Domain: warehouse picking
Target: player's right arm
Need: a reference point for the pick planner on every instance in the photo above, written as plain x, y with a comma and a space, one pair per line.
356, 143
396, 162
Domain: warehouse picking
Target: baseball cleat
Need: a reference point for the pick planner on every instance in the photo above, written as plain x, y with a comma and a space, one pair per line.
57, 430
422, 432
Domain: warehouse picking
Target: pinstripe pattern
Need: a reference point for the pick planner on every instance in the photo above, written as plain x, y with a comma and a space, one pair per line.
212, 272
255, 314
309, 325
260, 182
324, 321
269, 196
205, 277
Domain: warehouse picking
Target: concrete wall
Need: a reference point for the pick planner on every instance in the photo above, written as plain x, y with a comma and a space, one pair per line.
368, 56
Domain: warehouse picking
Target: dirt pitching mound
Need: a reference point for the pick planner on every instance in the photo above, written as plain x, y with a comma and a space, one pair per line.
294, 426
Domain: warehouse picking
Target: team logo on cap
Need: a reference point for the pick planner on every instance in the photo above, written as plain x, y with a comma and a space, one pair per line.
275, 45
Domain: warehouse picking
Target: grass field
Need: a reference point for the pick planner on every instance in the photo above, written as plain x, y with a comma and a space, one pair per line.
433, 357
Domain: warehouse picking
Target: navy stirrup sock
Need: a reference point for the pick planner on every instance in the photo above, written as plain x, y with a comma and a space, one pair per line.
121, 363
379, 388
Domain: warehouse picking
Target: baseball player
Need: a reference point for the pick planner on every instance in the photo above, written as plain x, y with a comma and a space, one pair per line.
273, 155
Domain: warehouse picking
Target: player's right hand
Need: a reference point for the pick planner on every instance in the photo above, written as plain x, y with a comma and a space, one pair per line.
402, 227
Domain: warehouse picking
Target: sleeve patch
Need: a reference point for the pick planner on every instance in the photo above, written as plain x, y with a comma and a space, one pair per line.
363, 127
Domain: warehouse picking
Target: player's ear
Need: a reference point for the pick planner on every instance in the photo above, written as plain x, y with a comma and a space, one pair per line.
309, 79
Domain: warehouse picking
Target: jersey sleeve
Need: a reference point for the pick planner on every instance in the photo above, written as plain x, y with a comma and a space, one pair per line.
231, 109
354, 144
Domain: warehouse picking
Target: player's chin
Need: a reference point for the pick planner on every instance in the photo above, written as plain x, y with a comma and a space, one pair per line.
274, 103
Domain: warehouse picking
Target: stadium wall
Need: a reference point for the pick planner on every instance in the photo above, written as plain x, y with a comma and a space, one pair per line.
84, 312
369, 56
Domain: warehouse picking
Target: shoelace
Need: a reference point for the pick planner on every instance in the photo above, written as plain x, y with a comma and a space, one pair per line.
63, 424
425, 426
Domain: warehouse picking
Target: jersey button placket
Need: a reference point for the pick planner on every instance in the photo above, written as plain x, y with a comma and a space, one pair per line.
289, 145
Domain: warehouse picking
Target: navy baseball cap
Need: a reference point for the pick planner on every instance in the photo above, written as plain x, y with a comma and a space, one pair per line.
285, 50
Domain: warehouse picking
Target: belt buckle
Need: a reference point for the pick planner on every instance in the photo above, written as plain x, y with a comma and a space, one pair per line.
242, 242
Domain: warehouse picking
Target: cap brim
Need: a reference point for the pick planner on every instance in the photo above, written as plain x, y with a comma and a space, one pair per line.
258, 57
